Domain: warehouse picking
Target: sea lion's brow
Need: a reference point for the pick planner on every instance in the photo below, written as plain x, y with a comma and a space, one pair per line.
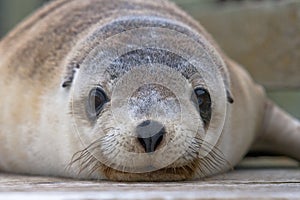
139, 57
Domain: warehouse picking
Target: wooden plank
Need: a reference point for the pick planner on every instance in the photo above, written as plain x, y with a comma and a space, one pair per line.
239, 184
277, 180
261, 35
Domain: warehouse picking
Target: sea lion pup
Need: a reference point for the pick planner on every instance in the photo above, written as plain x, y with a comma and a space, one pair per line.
128, 90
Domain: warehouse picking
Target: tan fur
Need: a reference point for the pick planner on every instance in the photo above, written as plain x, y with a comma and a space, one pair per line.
41, 54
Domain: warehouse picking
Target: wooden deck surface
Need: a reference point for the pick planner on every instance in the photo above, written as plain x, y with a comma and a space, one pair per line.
272, 182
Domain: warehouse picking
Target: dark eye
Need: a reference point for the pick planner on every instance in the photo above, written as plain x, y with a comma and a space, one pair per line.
204, 103
97, 99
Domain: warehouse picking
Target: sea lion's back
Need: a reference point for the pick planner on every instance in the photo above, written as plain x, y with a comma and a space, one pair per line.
37, 47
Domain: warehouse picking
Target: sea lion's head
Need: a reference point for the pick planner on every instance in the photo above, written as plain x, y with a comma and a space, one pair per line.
149, 103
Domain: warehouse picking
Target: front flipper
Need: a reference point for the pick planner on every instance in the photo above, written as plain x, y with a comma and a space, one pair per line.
280, 133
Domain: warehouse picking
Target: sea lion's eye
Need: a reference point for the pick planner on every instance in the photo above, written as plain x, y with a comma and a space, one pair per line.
204, 103
97, 99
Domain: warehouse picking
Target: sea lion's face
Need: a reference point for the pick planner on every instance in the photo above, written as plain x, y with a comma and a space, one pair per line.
149, 114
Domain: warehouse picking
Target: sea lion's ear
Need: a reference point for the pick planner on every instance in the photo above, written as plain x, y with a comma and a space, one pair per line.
229, 96
69, 77
67, 82
226, 78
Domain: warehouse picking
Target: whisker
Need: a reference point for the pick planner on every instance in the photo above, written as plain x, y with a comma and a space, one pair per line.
214, 161
84, 157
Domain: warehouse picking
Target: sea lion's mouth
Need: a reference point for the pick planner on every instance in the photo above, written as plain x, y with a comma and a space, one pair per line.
181, 173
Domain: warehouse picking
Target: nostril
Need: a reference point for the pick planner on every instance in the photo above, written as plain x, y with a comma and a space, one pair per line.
150, 144
143, 142
159, 140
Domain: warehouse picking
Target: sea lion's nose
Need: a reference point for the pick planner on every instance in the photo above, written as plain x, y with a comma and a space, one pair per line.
150, 134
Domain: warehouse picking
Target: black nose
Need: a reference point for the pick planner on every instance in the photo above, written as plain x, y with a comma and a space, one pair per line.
150, 134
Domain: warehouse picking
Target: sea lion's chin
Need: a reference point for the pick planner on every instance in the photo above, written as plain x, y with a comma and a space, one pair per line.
165, 174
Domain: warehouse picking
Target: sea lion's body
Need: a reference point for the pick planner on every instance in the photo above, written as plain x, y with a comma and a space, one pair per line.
41, 55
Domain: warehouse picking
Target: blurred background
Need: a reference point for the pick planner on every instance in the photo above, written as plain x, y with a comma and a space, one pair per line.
262, 35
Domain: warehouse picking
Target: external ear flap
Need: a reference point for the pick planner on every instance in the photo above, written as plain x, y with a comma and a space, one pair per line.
67, 82
68, 79
229, 97
226, 79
